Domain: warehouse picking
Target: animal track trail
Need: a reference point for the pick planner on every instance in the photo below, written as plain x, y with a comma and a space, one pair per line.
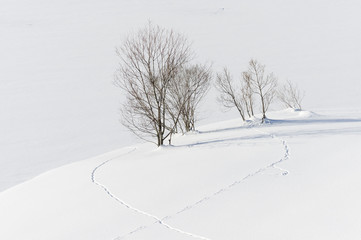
285, 157
127, 205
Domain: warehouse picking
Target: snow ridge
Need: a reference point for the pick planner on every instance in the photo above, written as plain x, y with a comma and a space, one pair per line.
285, 157
157, 219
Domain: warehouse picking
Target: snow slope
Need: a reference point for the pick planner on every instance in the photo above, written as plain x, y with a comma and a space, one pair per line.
296, 177
57, 101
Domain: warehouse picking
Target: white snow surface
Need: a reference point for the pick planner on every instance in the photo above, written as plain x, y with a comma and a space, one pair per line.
295, 177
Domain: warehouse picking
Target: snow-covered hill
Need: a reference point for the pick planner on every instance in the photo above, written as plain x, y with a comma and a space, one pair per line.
296, 177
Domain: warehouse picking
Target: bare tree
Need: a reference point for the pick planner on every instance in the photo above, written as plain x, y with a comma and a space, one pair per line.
290, 96
248, 93
229, 96
149, 62
190, 86
263, 85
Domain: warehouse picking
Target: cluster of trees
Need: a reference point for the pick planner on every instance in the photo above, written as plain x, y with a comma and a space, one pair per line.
163, 88
255, 86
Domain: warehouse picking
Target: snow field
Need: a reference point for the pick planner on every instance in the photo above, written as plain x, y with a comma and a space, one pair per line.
227, 181
296, 177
